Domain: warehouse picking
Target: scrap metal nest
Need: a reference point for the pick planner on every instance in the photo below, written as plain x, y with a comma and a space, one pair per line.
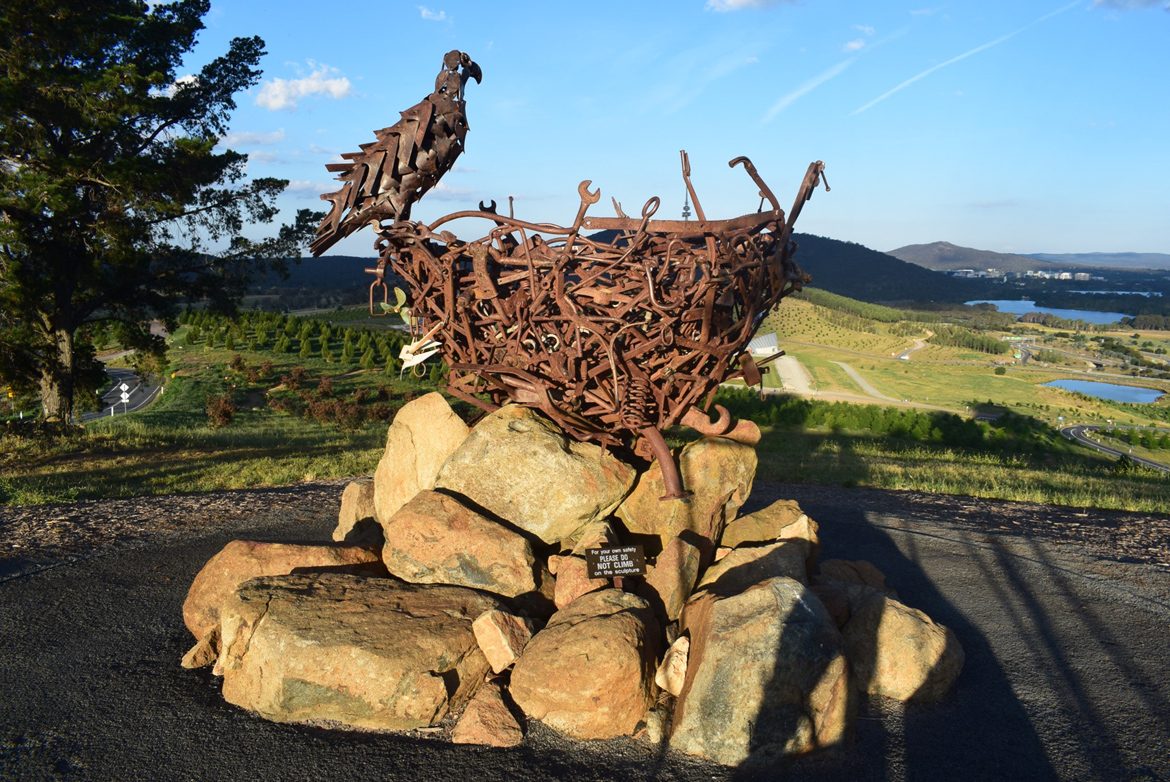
609, 338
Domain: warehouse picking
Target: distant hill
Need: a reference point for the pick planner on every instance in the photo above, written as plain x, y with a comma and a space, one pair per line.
1109, 260
944, 256
858, 272
844, 268
325, 274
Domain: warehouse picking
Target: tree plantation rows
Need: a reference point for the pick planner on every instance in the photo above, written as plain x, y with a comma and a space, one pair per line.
327, 398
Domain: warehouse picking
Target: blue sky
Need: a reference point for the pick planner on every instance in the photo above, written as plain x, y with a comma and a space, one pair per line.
1002, 125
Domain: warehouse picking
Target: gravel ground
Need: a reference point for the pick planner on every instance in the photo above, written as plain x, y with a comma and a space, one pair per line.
1063, 615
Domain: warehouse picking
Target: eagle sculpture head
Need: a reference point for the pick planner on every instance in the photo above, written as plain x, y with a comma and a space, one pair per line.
457, 69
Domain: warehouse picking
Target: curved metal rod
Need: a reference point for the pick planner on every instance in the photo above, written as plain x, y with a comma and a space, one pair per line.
670, 477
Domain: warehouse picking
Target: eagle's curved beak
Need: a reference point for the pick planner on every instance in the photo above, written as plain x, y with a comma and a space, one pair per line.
472, 70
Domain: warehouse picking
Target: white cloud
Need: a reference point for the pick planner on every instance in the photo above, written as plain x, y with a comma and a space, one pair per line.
304, 188
853, 46
334, 155
444, 192
283, 94
180, 83
433, 16
263, 157
1130, 5
865, 28
248, 139
750, 60
806, 88
723, 6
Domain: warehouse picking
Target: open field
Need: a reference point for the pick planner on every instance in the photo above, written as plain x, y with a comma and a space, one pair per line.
275, 438
952, 377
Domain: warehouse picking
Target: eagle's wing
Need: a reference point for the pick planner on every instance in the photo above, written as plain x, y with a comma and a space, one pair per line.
388, 175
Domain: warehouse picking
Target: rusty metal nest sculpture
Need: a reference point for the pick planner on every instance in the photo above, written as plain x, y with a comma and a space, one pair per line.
613, 339
625, 336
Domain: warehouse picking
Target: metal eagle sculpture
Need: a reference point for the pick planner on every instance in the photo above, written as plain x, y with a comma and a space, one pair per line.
383, 180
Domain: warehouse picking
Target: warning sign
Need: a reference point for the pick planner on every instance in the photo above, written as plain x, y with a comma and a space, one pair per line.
615, 562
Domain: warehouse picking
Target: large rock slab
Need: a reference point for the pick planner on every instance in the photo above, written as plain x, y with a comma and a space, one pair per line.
672, 673
590, 672
766, 675
782, 520
435, 539
573, 579
521, 467
670, 583
342, 650
898, 651
487, 720
424, 434
502, 637
241, 560
719, 473
747, 566
858, 571
357, 521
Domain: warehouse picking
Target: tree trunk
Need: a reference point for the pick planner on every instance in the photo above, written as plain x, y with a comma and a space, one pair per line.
57, 380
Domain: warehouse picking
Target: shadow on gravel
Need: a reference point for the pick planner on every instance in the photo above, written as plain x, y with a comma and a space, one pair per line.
1062, 679
981, 731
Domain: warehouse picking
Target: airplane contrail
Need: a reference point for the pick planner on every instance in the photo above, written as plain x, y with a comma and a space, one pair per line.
962, 56
805, 88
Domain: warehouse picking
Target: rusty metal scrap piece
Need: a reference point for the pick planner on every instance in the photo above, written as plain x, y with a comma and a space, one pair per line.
610, 339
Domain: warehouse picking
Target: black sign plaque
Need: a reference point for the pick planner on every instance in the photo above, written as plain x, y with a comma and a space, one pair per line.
615, 562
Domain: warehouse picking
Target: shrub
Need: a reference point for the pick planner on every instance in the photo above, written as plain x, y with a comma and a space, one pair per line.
220, 410
325, 387
1000, 371
294, 379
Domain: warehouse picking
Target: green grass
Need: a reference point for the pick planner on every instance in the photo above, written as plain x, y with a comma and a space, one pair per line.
169, 448
1079, 480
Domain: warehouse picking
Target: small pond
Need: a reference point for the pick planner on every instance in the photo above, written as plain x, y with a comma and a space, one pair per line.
1022, 307
1111, 391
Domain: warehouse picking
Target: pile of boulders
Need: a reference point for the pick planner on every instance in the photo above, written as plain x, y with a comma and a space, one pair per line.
457, 587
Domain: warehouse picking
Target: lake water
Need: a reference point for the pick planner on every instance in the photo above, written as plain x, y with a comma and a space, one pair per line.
1112, 391
1022, 307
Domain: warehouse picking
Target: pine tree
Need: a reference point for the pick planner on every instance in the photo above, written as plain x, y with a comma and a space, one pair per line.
112, 191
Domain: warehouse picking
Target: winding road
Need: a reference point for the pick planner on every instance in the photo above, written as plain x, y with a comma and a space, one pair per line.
1079, 433
138, 392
